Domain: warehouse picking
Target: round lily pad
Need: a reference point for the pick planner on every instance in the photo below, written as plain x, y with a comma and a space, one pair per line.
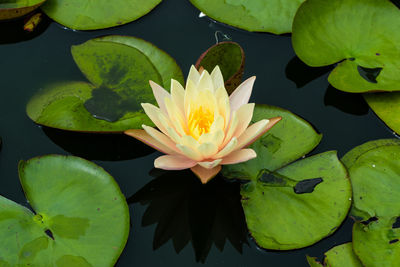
339, 256
12, 9
365, 44
80, 216
119, 73
290, 206
229, 56
274, 16
387, 107
93, 15
374, 171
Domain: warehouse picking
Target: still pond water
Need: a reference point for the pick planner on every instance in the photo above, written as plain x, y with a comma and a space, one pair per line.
179, 214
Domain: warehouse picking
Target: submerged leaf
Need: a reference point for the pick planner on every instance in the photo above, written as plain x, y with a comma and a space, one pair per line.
339, 256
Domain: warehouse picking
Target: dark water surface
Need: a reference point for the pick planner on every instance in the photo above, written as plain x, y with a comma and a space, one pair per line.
193, 219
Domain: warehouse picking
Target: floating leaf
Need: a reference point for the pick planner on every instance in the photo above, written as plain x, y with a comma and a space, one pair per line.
229, 56
93, 15
274, 16
11, 9
365, 44
119, 72
339, 256
290, 206
374, 171
69, 226
387, 107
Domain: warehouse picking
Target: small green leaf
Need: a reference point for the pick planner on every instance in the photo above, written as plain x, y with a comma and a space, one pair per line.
339, 256
365, 44
93, 15
11, 9
230, 58
374, 171
274, 16
387, 107
80, 219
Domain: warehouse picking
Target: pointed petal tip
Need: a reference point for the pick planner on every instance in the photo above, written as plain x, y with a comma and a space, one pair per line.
205, 175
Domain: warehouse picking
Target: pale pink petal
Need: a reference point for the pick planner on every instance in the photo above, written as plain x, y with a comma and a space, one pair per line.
231, 146
242, 94
217, 78
160, 94
207, 150
160, 137
255, 131
178, 95
174, 162
175, 116
209, 164
154, 114
205, 82
231, 128
205, 174
150, 141
244, 115
238, 156
190, 152
193, 76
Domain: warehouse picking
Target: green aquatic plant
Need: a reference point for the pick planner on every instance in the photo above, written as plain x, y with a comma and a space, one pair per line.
289, 204
118, 68
11, 9
79, 217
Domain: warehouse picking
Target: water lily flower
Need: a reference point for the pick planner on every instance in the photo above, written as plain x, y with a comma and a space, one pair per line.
202, 128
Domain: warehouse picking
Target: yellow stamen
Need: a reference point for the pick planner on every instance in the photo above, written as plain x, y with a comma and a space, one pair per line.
199, 122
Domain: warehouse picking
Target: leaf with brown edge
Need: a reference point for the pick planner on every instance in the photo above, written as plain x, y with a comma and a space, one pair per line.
229, 56
18, 8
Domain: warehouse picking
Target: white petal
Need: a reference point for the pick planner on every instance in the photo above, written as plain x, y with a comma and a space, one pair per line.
242, 94
205, 82
238, 156
207, 150
159, 94
231, 146
190, 152
209, 164
217, 78
193, 76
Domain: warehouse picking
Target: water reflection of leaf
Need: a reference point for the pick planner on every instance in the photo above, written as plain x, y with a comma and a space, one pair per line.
186, 210
347, 102
91, 146
301, 74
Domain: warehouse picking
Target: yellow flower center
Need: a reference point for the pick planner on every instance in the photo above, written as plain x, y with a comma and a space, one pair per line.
199, 122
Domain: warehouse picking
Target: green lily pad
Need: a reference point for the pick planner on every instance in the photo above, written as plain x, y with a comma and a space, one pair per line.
289, 206
365, 44
229, 56
93, 15
387, 107
119, 73
80, 219
377, 244
290, 139
11, 9
374, 171
339, 256
274, 16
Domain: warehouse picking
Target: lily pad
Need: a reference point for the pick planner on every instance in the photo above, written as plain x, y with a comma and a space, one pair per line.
11, 9
365, 44
93, 15
80, 219
289, 206
374, 171
387, 107
275, 16
339, 256
119, 72
229, 56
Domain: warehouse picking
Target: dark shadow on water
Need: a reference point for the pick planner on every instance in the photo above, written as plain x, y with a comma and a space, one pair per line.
13, 31
187, 211
301, 74
91, 146
351, 103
